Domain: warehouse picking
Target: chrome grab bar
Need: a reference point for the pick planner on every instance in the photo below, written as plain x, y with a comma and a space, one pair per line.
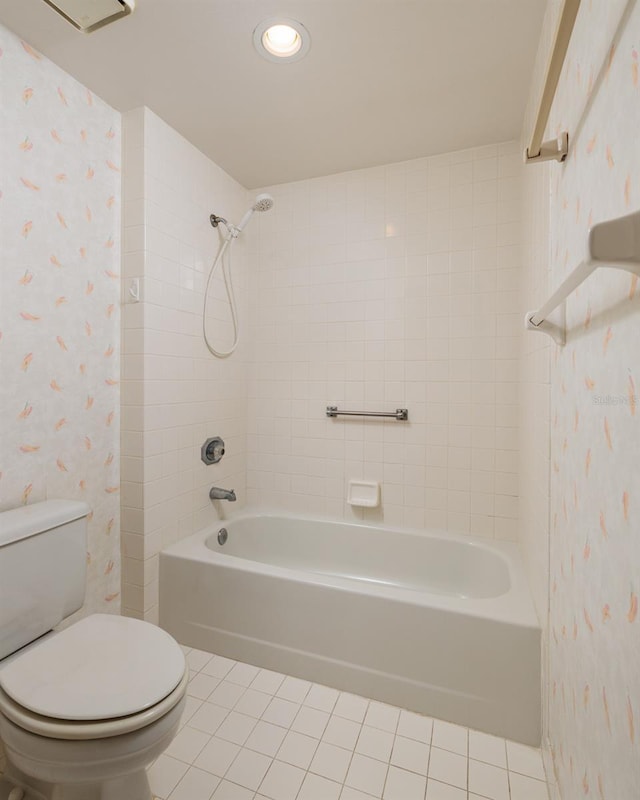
399, 414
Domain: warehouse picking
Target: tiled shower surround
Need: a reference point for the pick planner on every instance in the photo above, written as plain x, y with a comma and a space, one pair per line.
376, 289
174, 393
384, 288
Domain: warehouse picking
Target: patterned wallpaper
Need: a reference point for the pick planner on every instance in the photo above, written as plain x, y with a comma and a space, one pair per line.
59, 301
594, 629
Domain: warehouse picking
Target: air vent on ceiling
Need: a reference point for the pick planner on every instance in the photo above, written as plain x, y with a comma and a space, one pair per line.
89, 15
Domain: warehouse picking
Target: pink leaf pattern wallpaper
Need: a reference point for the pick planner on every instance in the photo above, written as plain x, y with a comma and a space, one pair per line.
593, 633
59, 301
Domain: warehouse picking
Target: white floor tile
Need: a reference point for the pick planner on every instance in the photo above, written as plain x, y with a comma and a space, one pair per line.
191, 705
451, 737
321, 697
208, 718
403, 785
218, 667
411, 755
488, 781
298, 749
443, 791
415, 726
525, 788
490, 749
267, 681
266, 738
253, 703
380, 715
525, 760
367, 774
342, 732
226, 694
242, 674
231, 791
217, 756
448, 767
282, 781
197, 659
195, 785
331, 762
281, 712
201, 686
293, 689
348, 793
310, 721
315, 787
188, 744
253, 734
236, 728
375, 743
165, 774
248, 769
351, 706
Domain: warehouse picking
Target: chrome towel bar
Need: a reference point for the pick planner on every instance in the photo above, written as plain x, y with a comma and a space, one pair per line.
400, 414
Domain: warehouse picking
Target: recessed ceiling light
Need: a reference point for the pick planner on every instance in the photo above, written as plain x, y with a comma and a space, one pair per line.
280, 39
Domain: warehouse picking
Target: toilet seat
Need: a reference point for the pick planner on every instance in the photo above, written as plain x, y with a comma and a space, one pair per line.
103, 676
98, 729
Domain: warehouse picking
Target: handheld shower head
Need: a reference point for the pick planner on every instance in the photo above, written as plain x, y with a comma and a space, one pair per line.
263, 202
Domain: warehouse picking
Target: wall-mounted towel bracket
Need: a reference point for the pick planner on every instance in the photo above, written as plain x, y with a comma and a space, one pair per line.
552, 150
614, 244
555, 331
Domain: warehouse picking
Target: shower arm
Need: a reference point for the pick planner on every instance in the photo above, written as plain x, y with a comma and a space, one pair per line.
215, 220
232, 231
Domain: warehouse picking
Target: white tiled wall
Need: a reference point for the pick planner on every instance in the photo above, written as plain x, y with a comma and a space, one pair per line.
377, 289
175, 394
382, 288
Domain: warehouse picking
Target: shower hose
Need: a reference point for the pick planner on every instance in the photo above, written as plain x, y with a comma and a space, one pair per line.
225, 248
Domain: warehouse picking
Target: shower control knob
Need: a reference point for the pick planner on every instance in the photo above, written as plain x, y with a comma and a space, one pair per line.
212, 450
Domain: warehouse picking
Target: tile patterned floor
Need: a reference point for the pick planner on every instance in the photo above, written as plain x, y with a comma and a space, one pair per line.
251, 734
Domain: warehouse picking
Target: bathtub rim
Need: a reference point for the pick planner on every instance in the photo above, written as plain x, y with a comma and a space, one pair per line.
513, 607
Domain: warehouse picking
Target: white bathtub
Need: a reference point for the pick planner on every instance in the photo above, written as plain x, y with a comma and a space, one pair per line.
440, 624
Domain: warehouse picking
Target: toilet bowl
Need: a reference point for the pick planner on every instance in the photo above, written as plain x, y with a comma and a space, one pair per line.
83, 711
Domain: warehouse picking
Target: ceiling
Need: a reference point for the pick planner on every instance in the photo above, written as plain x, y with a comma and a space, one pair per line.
384, 81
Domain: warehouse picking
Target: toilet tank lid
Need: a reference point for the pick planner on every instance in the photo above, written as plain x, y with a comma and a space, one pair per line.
20, 523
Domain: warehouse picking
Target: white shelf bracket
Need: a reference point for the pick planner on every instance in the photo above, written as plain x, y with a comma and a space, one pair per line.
556, 332
614, 244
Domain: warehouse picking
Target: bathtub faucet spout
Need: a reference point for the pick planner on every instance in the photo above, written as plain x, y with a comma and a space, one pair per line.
222, 494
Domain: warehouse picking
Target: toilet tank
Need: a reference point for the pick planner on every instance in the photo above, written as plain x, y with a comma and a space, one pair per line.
43, 565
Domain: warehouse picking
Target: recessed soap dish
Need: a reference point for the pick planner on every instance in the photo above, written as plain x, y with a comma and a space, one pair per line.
364, 494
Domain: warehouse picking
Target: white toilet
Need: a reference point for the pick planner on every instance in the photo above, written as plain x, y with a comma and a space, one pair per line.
83, 712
